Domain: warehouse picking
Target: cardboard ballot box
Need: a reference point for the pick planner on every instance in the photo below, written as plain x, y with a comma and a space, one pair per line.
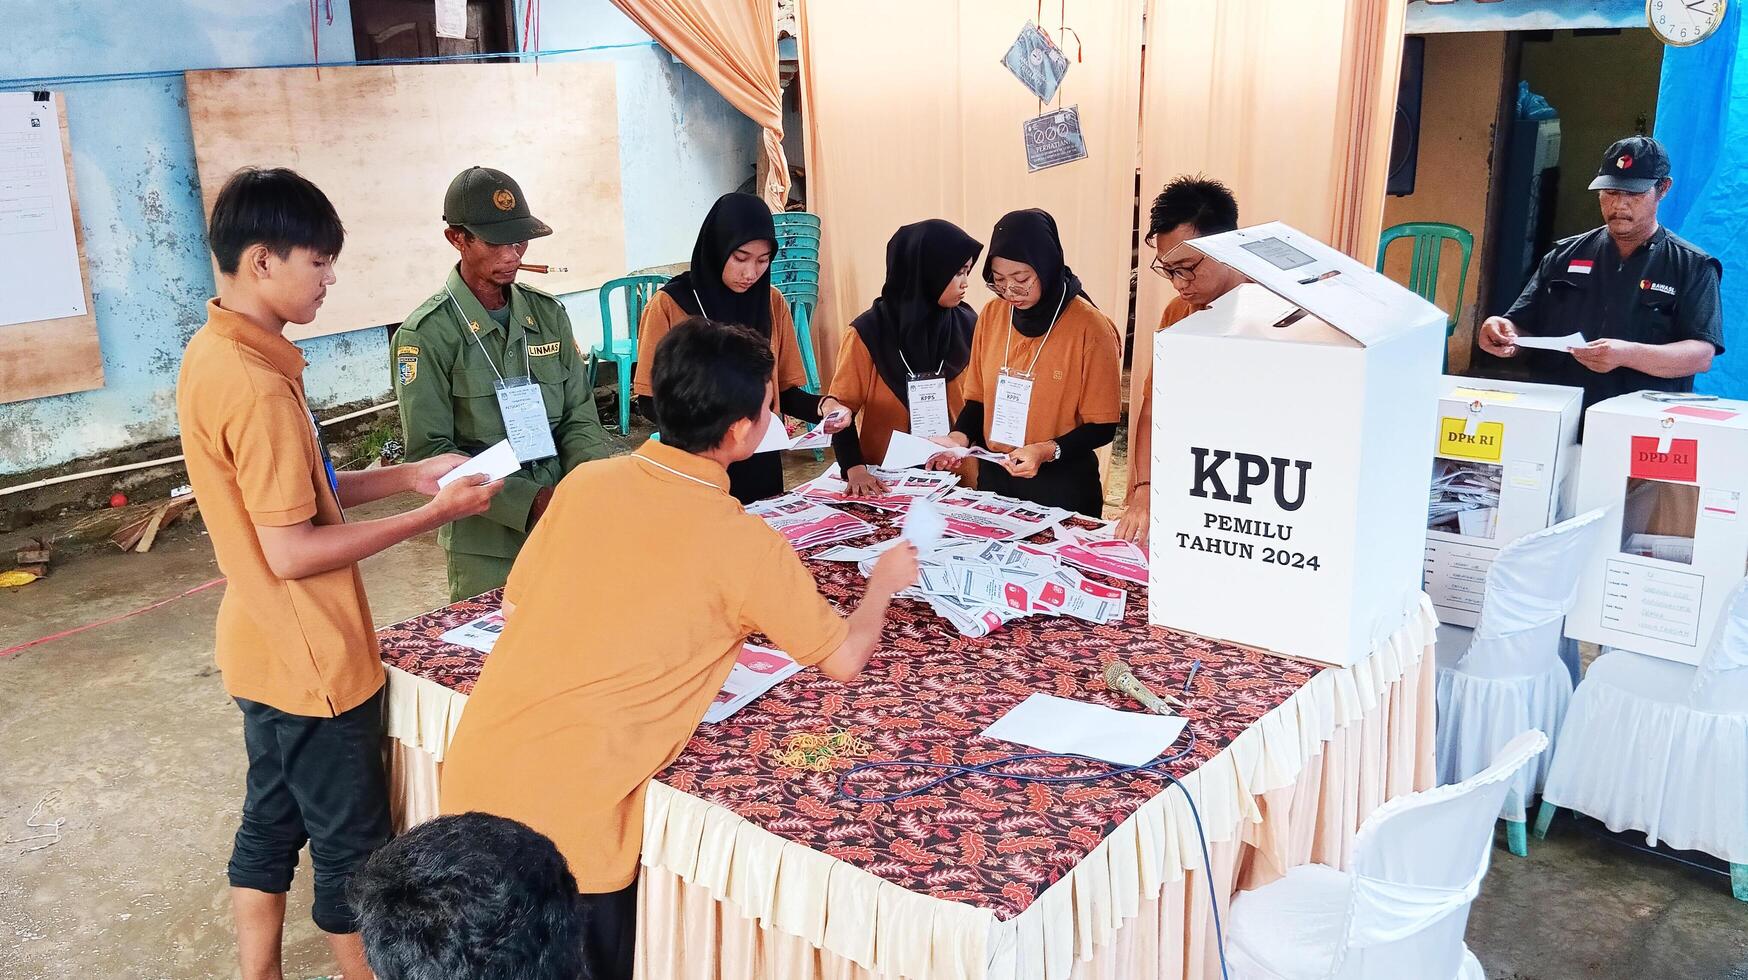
1293, 426
1673, 476
1504, 467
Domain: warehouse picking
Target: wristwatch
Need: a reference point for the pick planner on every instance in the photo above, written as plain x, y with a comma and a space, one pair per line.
1056, 453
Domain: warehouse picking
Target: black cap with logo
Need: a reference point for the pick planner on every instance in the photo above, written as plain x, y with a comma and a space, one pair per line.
1634, 165
489, 204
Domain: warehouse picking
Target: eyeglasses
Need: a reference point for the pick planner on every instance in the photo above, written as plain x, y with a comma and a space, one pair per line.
1184, 274
1011, 287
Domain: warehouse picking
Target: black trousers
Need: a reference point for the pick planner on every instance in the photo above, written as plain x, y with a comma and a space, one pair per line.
318, 780
609, 926
1071, 482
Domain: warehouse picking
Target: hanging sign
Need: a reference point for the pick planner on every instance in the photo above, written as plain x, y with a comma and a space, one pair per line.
1054, 139
1037, 62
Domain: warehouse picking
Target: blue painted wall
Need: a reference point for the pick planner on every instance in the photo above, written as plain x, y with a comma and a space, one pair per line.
139, 195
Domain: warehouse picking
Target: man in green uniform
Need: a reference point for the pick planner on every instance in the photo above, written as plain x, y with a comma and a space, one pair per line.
487, 358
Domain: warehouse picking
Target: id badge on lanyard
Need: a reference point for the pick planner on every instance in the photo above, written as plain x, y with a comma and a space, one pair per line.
927, 395
1013, 405
519, 402
524, 411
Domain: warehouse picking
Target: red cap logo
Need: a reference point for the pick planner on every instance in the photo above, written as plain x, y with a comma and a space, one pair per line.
1625, 162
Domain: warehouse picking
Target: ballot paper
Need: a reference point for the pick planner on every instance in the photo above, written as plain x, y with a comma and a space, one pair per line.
906, 451
991, 517
1464, 497
480, 634
496, 463
923, 526
805, 524
848, 553
1053, 724
777, 438
903, 487
1108, 556
1571, 340
755, 671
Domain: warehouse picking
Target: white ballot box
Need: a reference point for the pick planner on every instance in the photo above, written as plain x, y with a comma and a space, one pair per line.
1293, 428
1673, 476
1504, 467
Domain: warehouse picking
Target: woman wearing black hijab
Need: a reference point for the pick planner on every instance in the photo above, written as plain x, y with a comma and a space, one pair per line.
1045, 380
914, 339
729, 281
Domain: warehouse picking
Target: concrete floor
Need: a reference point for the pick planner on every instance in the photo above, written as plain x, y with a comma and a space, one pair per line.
127, 731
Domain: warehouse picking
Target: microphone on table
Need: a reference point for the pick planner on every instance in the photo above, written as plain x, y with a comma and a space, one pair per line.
1118, 677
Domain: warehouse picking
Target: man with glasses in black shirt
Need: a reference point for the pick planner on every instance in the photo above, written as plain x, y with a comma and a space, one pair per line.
1645, 301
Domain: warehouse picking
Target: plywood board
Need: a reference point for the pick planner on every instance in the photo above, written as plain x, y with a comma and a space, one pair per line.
54, 357
384, 143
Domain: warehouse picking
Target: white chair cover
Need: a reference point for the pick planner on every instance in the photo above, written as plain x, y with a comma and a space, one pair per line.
1511, 678
1418, 864
1661, 747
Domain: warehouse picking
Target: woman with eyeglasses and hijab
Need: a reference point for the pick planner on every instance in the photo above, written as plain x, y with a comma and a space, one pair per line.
903, 360
729, 281
1044, 383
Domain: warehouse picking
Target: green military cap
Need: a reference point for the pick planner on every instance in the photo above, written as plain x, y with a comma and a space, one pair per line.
489, 204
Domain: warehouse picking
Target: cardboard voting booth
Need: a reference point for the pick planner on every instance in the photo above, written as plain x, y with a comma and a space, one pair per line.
1673, 476
1504, 466
1293, 426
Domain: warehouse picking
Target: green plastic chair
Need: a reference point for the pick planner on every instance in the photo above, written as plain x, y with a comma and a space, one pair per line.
1429, 239
795, 273
621, 346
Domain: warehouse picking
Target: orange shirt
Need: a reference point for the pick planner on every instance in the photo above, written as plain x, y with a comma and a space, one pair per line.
605, 668
1077, 378
662, 313
879, 412
1141, 440
305, 646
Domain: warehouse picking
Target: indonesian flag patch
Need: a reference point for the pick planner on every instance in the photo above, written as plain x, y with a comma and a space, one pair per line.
1580, 266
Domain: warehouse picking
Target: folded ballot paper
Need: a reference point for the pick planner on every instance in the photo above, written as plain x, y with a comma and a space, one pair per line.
992, 517
777, 437
1464, 497
906, 451
805, 524
980, 586
755, 671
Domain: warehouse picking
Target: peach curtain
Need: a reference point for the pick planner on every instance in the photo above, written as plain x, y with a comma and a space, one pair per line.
911, 115
1290, 102
732, 44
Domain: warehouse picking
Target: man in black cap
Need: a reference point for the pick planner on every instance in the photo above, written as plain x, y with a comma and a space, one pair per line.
487, 358
1645, 301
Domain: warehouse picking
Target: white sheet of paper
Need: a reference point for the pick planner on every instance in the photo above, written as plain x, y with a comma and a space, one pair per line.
1571, 340
496, 463
480, 634
923, 526
1055, 724
776, 436
40, 277
906, 450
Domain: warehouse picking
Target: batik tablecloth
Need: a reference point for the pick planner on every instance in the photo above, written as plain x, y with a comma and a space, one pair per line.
754, 869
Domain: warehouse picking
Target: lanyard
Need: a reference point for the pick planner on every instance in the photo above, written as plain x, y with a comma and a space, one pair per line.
465, 319
1008, 339
701, 312
911, 372
684, 476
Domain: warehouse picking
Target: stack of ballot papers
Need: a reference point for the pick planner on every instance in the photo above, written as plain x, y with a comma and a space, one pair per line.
1465, 498
902, 488
1106, 556
805, 524
979, 586
992, 517
755, 671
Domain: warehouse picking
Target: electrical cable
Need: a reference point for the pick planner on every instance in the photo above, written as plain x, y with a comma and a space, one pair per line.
952, 771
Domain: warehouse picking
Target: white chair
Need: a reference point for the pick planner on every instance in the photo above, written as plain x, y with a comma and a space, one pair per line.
1506, 675
1418, 864
1661, 747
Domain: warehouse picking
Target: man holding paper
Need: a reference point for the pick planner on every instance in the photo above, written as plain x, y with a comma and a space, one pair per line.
1646, 300
487, 359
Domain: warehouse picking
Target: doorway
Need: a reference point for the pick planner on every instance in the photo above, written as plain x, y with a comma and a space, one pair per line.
408, 29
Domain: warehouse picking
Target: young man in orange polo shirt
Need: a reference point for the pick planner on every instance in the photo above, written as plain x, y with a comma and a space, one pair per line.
604, 669
295, 640
1189, 207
